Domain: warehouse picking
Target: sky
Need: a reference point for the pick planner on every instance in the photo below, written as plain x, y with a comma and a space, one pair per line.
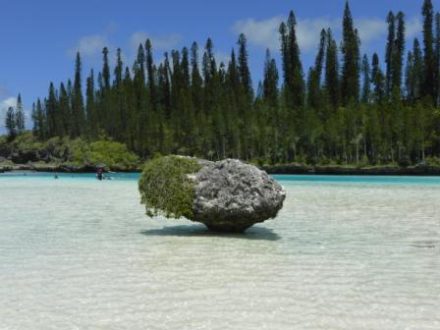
40, 38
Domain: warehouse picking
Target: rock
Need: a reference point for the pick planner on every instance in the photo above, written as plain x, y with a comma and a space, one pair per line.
231, 196
226, 196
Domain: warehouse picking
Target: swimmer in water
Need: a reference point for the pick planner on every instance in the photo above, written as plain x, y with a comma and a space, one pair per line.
100, 174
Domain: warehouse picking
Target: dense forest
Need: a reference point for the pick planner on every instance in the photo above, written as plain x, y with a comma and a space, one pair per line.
348, 108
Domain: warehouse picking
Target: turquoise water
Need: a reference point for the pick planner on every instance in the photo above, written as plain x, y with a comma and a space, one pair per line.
319, 179
344, 253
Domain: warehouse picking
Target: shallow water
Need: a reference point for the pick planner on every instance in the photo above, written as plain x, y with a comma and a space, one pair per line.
344, 253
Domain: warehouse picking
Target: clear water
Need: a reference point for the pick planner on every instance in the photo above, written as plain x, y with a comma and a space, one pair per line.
344, 253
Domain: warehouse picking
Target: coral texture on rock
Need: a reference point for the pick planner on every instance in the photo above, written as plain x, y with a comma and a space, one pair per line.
232, 196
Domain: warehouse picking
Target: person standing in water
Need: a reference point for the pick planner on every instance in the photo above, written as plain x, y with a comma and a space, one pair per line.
100, 174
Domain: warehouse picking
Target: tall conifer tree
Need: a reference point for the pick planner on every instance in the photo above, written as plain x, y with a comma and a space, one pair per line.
398, 53
429, 84
19, 116
243, 67
389, 52
332, 83
350, 84
77, 101
366, 86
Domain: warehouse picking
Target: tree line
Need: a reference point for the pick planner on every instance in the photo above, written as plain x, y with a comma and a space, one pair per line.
15, 119
347, 108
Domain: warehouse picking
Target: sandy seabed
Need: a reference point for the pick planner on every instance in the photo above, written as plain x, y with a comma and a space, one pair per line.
76, 253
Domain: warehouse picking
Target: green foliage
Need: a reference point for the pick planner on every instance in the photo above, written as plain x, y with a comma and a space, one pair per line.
62, 150
10, 123
193, 105
165, 187
433, 161
113, 154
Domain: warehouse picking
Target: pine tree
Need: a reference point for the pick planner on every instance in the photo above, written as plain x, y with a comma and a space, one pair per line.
151, 73
233, 75
409, 79
429, 84
63, 115
11, 123
294, 76
119, 100
378, 80
35, 128
437, 58
270, 83
118, 69
367, 80
196, 78
350, 85
243, 68
92, 115
285, 54
209, 63
319, 61
165, 85
39, 119
414, 74
51, 105
141, 102
398, 53
332, 83
78, 118
186, 80
106, 69
19, 116
389, 53
315, 73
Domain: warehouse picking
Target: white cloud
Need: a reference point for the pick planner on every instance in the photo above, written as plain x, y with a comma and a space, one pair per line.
166, 42
90, 45
264, 33
413, 27
309, 31
371, 29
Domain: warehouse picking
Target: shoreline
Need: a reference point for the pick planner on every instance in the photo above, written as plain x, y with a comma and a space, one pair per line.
52, 168
286, 169
297, 169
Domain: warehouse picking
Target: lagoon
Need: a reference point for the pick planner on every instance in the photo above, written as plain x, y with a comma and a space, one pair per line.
344, 253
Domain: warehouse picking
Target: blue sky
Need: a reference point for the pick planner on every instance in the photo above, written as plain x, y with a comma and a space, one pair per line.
39, 38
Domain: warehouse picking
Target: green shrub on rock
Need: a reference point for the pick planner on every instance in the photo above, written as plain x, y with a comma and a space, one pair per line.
166, 188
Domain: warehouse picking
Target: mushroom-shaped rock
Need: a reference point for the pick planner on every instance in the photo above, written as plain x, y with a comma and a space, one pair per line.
226, 196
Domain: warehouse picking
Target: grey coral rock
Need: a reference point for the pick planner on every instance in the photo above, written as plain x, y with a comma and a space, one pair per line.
231, 196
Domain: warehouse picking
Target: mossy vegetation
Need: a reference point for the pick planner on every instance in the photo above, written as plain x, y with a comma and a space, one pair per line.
166, 188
